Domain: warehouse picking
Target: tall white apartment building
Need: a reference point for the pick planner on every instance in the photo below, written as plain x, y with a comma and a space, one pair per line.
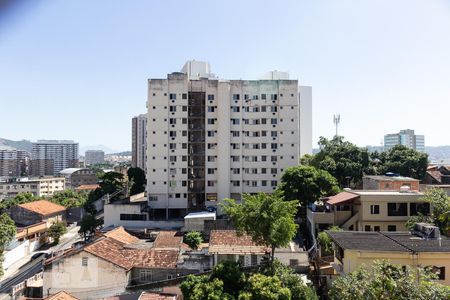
93, 157
51, 156
406, 137
210, 139
139, 142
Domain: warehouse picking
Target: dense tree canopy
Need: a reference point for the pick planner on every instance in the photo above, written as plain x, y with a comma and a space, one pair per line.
307, 184
228, 281
89, 225
404, 161
267, 218
136, 176
69, 198
387, 281
7, 234
110, 182
342, 159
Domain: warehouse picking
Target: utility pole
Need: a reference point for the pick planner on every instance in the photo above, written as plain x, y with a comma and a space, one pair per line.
336, 121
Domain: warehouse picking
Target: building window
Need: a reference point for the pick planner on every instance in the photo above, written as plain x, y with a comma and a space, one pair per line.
172, 96
375, 209
397, 209
419, 208
211, 108
263, 96
236, 97
172, 108
376, 228
273, 183
211, 121
367, 228
210, 170
169, 276
145, 275
153, 198
392, 228
133, 217
439, 271
210, 97
84, 261
235, 108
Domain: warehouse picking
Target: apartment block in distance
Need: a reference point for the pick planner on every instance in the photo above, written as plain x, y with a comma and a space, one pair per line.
139, 142
39, 187
210, 139
51, 156
13, 162
405, 137
94, 157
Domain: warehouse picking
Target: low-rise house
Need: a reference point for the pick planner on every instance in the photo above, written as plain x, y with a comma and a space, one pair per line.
86, 188
36, 212
227, 245
39, 187
367, 210
76, 177
421, 248
437, 175
389, 182
109, 265
61, 296
293, 256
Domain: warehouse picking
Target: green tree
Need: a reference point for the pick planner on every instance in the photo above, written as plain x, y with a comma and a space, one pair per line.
193, 239
267, 218
202, 288
420, 218
404, 161
307, 184
7, 234
325, 242
88, 225
440, 204
137, 177
262, 287
18, 199
388, 281
230, 273
57, 230
342, 159
289, 279
69, 199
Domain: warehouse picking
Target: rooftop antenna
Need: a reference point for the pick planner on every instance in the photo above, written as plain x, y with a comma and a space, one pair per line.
336, 121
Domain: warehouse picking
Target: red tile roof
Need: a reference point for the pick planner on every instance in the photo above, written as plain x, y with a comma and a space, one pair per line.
43, 207
168, 239
157, 296
229, 242
115, 252
341, 198
61, 296
121, 235
436, 175
87, 187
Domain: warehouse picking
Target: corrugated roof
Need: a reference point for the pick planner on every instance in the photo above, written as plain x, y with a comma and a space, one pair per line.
43, 207
342, 197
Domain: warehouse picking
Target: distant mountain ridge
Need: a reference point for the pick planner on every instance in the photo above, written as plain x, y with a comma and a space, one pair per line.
21, 145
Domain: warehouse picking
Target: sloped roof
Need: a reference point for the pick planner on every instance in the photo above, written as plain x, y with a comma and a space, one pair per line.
168, 239
61, 296
115, 252
228, 242
342, 197
157, 296
87, 187
43, 207
121, 235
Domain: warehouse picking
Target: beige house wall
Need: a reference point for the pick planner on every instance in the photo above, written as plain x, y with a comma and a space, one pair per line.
97, 280
354, 259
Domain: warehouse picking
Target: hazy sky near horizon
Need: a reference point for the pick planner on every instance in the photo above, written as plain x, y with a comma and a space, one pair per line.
78, 69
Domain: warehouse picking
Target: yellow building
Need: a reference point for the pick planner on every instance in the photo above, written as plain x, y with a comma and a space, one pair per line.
368, 210
424, 248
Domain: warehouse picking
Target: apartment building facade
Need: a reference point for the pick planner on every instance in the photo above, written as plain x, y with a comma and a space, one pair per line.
37, 186
368, 210
406, 137
94, 157
13, 162
210, 139
51, 156
139, 142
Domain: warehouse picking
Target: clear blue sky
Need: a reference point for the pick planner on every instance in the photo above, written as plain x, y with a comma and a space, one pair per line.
78, 69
